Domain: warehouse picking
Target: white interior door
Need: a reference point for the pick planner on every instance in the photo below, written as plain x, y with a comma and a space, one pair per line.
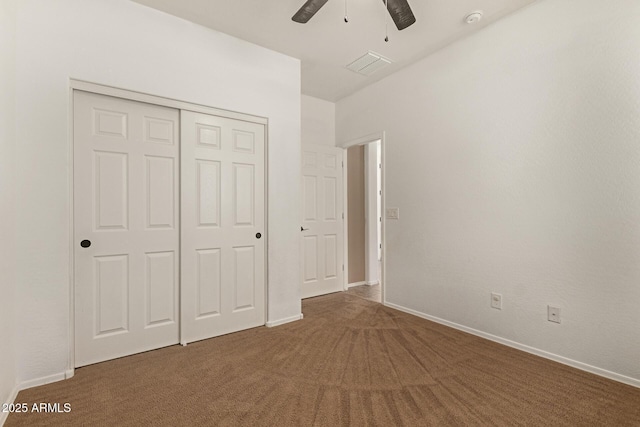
223, 225
126, 205
322, 220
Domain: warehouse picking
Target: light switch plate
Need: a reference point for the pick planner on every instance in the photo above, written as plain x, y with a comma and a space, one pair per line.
496, 300
393, 213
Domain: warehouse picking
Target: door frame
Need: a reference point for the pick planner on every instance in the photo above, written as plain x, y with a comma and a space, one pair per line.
363, 140
131, 95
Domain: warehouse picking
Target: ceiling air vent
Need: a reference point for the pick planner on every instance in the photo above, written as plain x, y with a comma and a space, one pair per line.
368, 63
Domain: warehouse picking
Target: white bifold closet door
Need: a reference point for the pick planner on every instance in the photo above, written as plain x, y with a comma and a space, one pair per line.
222, 225
126, 227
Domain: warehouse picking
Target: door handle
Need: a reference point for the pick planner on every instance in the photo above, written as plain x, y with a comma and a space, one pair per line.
258, 235
85, 243
303, 229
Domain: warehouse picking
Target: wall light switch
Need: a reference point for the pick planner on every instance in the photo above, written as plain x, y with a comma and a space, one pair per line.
496, 301
393, 213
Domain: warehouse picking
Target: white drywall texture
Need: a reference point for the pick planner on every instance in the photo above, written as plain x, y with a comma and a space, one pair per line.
514, 157
318, 121
127, 45
7, 203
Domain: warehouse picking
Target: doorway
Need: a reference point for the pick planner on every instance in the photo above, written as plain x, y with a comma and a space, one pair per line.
364, 219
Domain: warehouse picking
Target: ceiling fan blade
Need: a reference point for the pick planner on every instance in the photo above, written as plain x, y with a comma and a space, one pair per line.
306, 12
401, 13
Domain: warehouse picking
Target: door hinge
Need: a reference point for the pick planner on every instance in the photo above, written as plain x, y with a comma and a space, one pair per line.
380, 165
342, 164
342, 215
342, 267
380, 245
380, 219
381, 192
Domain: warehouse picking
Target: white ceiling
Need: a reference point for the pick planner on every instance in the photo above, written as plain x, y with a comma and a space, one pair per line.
326, 44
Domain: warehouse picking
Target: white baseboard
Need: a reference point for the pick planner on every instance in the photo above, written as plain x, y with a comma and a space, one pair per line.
372, 283
273, 323
45, 380
10, 399
556, 358
351, 285
34, 383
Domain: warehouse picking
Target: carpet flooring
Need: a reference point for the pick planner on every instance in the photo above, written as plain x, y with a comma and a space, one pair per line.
349, 362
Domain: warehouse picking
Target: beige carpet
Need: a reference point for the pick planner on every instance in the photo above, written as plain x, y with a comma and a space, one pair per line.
349, 362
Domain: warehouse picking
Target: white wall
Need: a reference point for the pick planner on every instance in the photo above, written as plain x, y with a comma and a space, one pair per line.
318, 121
7, 203
127, 45
514, 158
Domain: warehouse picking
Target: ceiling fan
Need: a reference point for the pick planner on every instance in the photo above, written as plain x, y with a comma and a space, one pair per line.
399, 10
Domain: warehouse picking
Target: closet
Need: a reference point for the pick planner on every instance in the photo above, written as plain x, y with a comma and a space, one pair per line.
169, 224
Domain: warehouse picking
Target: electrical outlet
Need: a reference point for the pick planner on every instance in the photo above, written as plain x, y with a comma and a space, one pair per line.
496, 301
553, 314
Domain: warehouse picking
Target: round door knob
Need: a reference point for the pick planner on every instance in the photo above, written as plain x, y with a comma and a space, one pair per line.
85, 243
258, 235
